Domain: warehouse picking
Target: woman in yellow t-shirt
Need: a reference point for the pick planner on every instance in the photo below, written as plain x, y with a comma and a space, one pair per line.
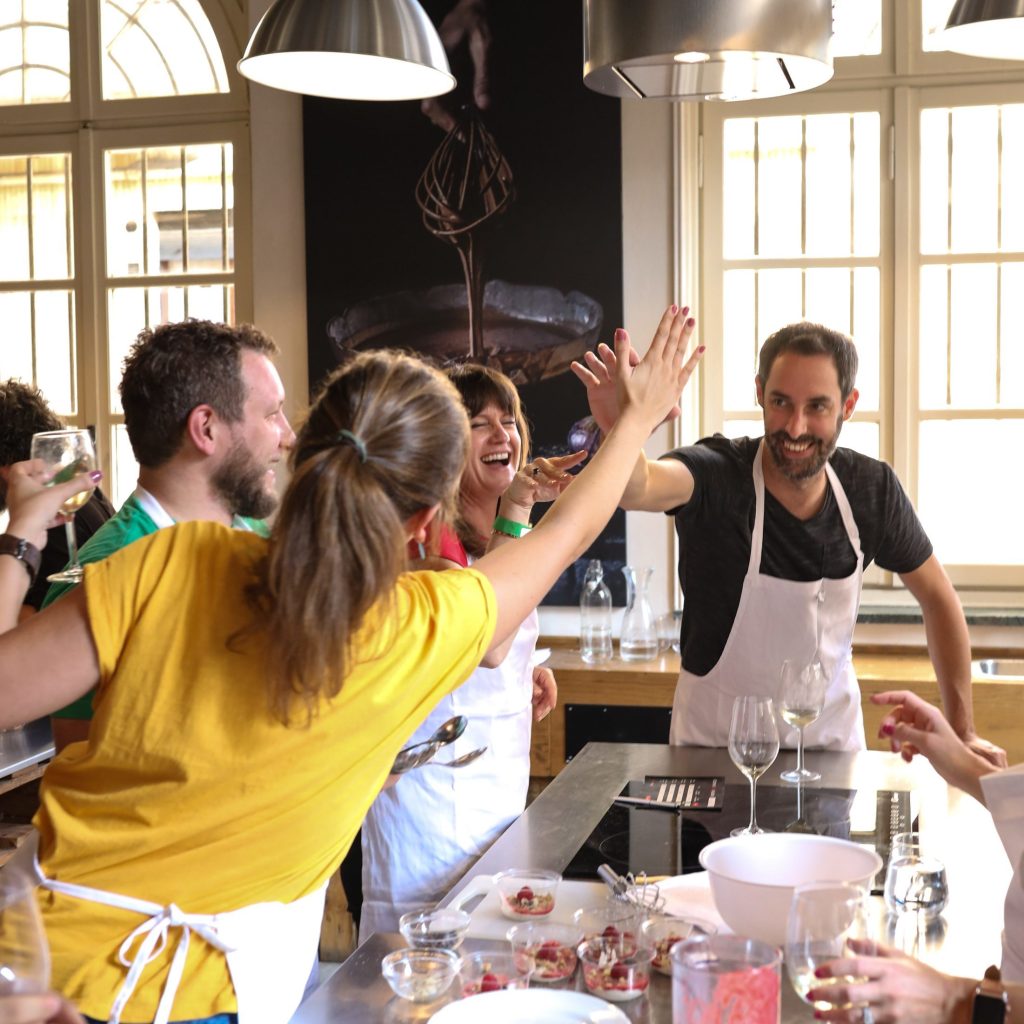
252, 694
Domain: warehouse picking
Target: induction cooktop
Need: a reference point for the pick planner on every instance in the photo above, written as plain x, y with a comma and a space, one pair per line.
665, 837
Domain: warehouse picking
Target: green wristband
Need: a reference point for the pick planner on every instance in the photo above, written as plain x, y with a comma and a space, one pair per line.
510, 528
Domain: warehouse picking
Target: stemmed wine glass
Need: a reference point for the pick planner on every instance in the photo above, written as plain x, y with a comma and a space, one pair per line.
801, 699
823, 917
753, 747
69, 452
24, 954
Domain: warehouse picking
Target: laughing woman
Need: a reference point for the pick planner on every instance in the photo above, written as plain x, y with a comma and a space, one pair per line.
425, 833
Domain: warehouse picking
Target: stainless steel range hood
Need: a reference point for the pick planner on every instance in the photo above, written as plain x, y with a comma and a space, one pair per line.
706, 49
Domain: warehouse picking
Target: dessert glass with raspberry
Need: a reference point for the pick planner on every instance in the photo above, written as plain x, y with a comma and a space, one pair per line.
661, 932
614, 976
485, 971
527, 894
614, 924
551, 948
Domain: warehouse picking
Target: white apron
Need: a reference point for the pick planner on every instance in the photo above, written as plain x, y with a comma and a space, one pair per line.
268, 946
779, 620
1004, 797
423, 834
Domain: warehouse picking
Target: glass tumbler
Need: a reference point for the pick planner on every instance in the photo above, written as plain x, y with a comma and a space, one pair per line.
726, 979
915, 880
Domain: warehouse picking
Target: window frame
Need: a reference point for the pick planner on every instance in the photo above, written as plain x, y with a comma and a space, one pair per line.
86, 127
899, 83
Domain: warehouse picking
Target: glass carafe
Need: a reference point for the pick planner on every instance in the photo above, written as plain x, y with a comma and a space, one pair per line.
638, 640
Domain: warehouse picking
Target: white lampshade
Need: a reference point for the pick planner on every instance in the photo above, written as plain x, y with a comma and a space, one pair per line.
986, 28
348, 49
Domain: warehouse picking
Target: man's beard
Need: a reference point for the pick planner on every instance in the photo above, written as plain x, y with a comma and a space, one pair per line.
813, 462
240, 482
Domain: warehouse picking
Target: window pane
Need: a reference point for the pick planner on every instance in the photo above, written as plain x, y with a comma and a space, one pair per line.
933, 343
14, 234
982, 445
1011, 200
829, 182
973, 335
934, 180
856, 28
934, 15
126, 469
156, 48
1011, 351
35, 217
170, 210
35, 52
779, 300
130, 310
740, 343
39, 344
738, 207
861, 436
865, 329
743, 428
779, 165
975, 179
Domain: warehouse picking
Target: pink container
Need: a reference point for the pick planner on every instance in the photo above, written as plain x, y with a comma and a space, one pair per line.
726, 979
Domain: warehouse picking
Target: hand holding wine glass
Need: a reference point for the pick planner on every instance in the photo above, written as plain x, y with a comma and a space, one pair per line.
753, 747
823, 918
801, 700
69, 452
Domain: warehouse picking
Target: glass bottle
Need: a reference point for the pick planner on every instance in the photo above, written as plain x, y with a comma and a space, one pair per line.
639, 638
595, 616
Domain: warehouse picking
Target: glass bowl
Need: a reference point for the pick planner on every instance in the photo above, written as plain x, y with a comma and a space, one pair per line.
434, 928
527, 894
420, 975
551, 948
612, 925
614, 977
483, 971
661, 932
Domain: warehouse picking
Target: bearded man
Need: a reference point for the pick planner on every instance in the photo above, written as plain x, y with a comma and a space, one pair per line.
204, 413
774, 536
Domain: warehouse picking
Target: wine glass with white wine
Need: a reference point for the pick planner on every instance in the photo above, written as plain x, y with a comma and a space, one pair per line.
69, 452
823, 918
753, 747
801, 700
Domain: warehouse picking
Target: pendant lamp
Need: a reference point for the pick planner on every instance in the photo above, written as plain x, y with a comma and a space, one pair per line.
706, 49
986, 28
348, 49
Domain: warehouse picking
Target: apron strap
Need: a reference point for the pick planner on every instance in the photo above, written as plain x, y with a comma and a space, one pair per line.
152, 932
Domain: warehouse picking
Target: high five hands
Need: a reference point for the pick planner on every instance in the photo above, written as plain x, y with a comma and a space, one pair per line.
607, 371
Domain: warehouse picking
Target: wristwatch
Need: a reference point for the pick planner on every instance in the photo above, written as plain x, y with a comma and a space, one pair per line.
28, 554
991, 1001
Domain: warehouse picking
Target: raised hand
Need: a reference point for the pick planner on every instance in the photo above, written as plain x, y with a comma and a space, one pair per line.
33, 505
602, 369
654, 385
543, 480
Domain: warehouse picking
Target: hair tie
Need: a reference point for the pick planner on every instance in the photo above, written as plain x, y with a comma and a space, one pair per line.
347, 437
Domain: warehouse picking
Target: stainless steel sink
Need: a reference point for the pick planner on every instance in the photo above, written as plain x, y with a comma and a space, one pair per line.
999, 668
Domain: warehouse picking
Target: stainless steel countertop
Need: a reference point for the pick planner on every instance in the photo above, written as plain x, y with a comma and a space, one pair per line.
556, 824
23, 747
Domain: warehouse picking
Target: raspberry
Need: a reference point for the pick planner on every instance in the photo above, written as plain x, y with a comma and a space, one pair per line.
489, 983
620, 972
548, 952
524, 895
611, 932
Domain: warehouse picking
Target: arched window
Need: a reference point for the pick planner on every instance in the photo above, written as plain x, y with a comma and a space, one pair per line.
123, 192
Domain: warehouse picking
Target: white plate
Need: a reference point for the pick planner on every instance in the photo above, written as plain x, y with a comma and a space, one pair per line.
558, 1006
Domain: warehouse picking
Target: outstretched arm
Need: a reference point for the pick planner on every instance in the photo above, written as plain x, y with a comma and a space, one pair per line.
53, 649
949, 648
914, 726
653, 486
523, 572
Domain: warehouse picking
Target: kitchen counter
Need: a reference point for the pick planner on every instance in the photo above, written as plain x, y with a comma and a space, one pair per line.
559, 820
22, 753
652, 684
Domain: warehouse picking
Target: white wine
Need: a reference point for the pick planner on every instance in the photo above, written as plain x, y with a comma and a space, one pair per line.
74, 503
803, 981
799, 716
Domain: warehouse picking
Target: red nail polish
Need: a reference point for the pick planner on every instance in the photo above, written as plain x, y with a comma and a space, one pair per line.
820, 972
96, 476
674, 309
888, 728
701, 348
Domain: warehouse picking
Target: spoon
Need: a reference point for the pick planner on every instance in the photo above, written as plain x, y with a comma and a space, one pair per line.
419, 753
461, 762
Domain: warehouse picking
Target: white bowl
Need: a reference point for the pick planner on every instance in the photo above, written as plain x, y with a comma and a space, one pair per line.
753, 877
